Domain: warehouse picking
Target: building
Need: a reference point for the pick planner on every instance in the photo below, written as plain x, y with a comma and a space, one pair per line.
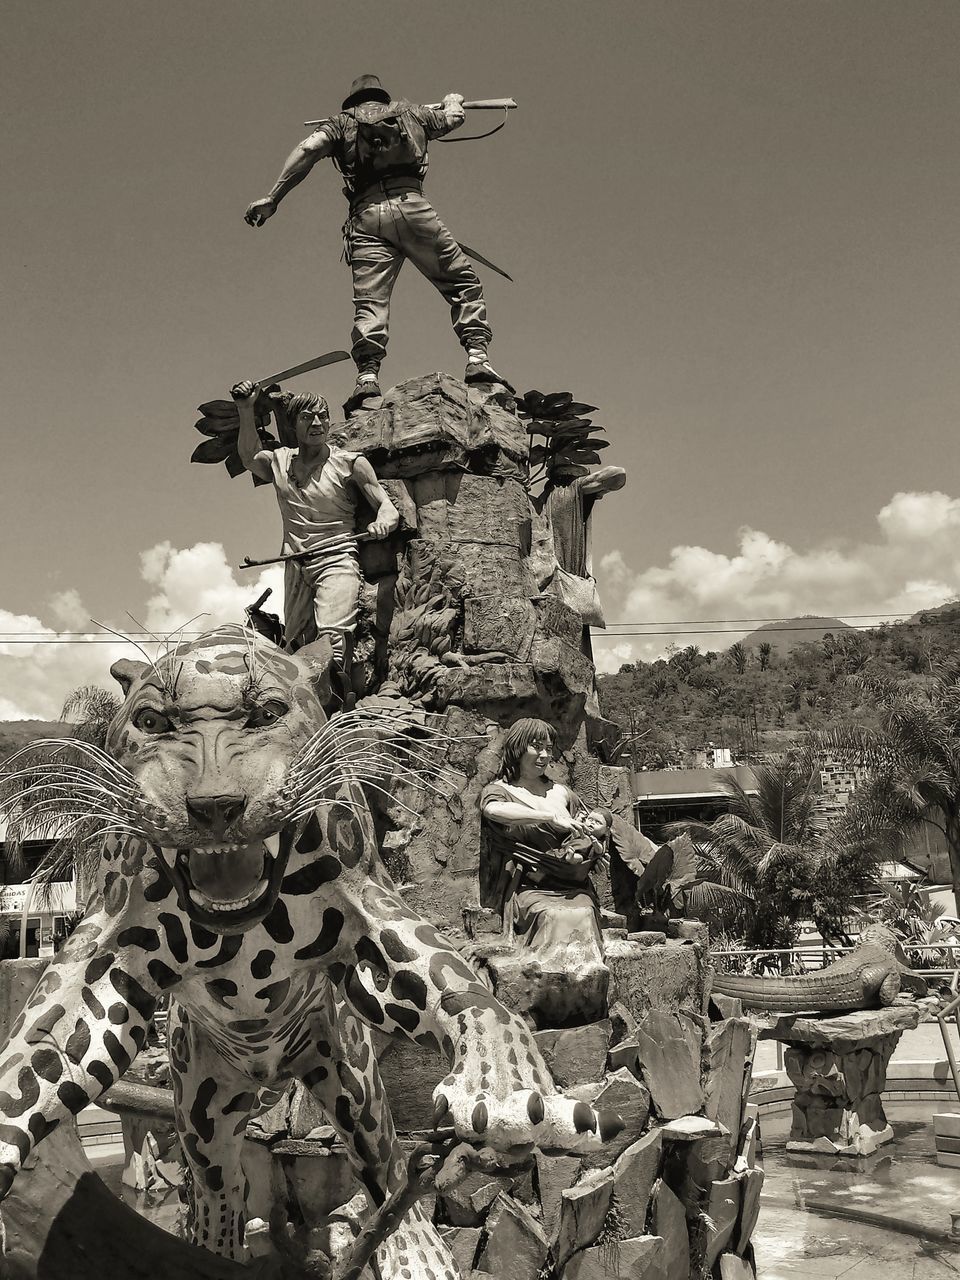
711, 757
838, 781
924, 849
662, 796
34, 921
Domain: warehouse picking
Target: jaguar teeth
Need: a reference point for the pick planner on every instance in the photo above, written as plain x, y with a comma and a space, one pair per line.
237, 905
169, 855
272, 844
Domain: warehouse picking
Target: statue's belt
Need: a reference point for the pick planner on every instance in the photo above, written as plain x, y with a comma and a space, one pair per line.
386, 188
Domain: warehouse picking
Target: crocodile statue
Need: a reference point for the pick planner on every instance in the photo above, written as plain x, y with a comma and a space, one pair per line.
871, 975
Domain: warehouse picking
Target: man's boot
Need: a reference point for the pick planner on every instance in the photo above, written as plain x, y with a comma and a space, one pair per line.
479, 369
367, 388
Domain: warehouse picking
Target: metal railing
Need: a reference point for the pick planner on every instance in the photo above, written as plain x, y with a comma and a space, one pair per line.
951, 1010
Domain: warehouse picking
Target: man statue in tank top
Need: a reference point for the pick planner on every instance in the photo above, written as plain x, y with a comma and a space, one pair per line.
318, 488
380, 147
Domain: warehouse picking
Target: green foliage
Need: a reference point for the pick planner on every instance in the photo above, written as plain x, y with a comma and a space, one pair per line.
756, 700
15, 734
914, 919
912, 751
768, 863
89, 710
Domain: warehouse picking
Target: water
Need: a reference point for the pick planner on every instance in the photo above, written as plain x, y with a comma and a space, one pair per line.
162, 1210
804, 1233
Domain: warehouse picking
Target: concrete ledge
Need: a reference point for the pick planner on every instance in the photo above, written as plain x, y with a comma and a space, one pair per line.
906, 1082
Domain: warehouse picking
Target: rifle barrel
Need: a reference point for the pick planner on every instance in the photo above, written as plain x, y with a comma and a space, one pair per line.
476, 104
482, 104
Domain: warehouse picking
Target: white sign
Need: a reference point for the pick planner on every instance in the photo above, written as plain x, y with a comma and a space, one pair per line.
59, 899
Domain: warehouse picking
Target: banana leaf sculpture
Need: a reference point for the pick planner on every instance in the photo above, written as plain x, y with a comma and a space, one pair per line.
220, 423
568, 441
671, 870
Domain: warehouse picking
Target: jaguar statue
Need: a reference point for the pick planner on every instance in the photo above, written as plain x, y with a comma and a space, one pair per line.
239, 874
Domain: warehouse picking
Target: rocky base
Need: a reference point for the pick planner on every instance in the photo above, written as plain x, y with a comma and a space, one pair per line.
861, 1140
838, 1066
674, 1196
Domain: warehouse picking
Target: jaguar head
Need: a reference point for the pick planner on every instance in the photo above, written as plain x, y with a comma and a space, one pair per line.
209, 734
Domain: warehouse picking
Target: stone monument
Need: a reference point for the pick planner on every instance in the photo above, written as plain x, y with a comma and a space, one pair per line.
463, 613
478, 1094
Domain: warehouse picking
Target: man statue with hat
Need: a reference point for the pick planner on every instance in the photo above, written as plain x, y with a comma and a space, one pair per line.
379, 146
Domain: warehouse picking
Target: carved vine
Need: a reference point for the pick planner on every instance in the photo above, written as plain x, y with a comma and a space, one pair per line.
425, 625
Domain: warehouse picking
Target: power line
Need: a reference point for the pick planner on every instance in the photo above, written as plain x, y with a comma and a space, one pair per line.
782, 618
37, 637
771, 631
696, 627
669, 622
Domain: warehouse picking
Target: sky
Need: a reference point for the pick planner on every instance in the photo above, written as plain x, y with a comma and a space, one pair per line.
732, 226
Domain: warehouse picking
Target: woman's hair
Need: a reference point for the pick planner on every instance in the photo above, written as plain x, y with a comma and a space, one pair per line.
516, 740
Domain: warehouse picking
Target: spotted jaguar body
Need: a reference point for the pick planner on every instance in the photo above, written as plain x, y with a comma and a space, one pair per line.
240, 876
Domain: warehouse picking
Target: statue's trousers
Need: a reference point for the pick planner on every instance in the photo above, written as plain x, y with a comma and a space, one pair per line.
378, 237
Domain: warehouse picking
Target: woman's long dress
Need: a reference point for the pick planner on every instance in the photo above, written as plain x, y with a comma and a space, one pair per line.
558, 920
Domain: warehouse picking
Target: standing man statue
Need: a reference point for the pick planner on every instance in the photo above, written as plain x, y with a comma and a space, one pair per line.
379, 146
318, 488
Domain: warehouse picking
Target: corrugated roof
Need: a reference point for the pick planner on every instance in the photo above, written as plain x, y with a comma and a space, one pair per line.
689, 784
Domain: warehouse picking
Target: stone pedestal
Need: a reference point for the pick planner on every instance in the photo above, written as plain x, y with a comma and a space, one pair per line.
838, 1066
459, 616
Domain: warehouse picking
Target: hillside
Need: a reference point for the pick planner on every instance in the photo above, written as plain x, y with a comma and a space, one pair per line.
15, 734
949, 612
752, 699
791, 632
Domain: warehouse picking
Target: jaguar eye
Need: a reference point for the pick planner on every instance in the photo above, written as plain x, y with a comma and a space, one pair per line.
265, 714
148, 720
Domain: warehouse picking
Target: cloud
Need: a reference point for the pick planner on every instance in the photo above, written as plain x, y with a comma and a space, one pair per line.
198, 581
913, 564
41, 665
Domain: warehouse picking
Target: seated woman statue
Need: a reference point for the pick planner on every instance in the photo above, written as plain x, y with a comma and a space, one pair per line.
544, 844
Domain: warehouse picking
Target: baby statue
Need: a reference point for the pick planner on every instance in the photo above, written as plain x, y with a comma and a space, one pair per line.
592, 841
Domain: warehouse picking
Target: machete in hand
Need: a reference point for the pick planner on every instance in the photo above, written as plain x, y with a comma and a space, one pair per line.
318, 362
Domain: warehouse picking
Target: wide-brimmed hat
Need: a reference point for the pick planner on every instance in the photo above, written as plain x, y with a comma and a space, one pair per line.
365, 89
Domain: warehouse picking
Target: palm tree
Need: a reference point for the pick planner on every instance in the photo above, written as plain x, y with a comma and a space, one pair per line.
768, 862
41, 815
765, 652
738, 655
913, 755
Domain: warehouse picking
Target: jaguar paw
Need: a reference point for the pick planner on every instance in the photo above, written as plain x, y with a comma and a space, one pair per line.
525, 1118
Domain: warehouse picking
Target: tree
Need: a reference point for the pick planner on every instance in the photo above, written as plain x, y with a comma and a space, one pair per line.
683, 661
765, 652
738, 655
768, 863
913, 755
41, 812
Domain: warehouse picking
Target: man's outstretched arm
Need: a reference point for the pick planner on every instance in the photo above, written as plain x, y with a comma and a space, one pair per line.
386, 517
299, 163
450, 115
